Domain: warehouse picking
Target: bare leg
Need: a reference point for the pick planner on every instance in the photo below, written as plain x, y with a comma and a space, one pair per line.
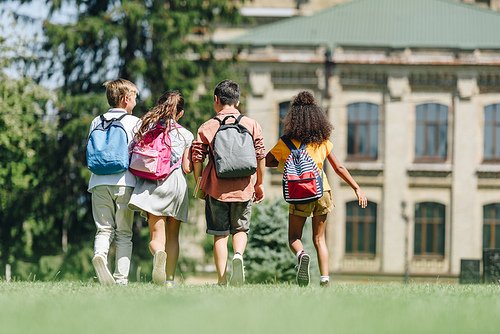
172, 249
239, 242
156, 233
220, 257
295, 226
157, 247
319, 225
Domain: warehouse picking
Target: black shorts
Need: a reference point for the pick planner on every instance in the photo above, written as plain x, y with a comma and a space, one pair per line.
224, 218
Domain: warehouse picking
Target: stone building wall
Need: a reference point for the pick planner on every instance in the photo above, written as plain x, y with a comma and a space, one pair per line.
461, 182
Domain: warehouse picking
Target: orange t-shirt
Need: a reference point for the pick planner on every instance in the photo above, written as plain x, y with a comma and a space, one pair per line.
317, 152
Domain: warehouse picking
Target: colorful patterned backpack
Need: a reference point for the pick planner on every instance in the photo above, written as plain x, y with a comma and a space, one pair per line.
302, 179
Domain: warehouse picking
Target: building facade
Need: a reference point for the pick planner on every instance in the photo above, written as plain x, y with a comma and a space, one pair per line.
413, 91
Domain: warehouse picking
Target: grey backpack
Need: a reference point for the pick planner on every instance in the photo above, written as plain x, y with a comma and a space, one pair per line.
233, 149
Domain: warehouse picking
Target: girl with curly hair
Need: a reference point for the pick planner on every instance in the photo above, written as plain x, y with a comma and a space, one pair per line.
306, 122
165, 202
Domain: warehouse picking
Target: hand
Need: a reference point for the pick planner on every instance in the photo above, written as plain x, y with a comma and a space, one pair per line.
361, 198
259, 193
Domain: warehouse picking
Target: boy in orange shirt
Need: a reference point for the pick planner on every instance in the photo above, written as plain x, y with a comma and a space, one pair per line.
228, 201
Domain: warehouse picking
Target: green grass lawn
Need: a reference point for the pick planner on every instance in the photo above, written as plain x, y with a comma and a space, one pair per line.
78, 307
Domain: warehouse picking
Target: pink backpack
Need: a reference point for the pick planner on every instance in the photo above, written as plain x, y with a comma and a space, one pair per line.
151, 158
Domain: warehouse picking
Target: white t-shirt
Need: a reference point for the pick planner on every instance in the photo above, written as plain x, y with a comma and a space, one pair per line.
119, 179
181, 139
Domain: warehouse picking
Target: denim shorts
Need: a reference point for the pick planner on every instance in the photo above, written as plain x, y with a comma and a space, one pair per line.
317, 208
224, 218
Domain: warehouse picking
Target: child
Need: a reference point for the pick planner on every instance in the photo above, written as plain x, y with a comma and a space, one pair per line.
228, 201
306, 122
111, 192
165, 202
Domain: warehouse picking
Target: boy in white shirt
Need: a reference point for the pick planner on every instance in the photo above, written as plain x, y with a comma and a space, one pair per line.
111, 192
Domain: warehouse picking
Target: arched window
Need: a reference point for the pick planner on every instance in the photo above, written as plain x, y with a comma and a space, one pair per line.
431, 132
362, 131
491, 226
283, 110
492, 132
429, 228
361, 228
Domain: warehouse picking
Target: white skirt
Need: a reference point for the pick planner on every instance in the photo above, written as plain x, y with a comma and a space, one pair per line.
167, 197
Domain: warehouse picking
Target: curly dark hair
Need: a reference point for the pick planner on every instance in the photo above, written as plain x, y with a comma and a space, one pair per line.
305, 121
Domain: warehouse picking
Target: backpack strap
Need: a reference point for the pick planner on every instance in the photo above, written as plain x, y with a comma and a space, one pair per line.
236, 120
223, 122
290, 144
177, 163
118, 119
103, 120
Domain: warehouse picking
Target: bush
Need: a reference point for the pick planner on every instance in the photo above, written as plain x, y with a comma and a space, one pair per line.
268, 258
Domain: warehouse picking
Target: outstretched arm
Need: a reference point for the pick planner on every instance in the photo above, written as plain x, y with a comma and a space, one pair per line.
346, 176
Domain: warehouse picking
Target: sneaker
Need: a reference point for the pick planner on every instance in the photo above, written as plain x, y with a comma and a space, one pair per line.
324, 284
303, 270
238, 276
102, 271
159, 262
169, 284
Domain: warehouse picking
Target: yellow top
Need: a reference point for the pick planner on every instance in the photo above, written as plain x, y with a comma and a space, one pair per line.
317, 152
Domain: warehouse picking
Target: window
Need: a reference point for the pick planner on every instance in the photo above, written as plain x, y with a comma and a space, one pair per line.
492, 132
362, 131
429, 229
361, 228
431, 132
491, 226
283, 110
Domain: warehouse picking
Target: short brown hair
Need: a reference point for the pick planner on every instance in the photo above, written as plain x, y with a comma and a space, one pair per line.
116, 90
228, 92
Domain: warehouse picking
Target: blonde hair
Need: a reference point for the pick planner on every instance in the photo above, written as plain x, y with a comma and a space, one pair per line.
116, 90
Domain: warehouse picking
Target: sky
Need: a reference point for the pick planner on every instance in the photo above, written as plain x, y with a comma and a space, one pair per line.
29, 27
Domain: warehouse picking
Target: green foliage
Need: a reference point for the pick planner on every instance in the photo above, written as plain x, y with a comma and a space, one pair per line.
268, 258
159, 45
26, 129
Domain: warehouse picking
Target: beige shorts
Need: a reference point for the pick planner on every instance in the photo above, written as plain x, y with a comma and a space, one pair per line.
317, 208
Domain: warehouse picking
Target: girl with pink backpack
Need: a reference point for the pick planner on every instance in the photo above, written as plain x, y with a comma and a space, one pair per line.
162, 158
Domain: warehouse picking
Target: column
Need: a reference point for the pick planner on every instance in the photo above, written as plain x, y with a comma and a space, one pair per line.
465, 159
397, 147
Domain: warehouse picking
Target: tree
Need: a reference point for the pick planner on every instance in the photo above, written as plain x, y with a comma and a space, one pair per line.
25, 130
159, 45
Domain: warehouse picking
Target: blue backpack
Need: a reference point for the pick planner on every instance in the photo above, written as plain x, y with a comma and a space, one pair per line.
302, 179
107, 147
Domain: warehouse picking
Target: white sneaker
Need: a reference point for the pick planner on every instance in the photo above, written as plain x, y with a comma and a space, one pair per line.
303, 270
102, 271
159, 263
238, 276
